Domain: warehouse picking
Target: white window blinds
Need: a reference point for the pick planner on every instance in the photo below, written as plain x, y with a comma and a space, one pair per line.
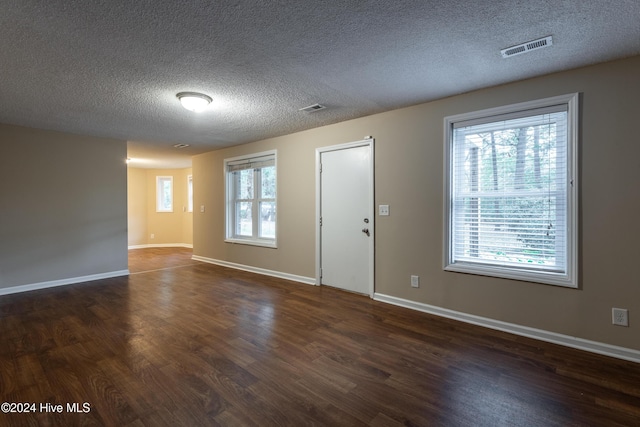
510, 188
251, 163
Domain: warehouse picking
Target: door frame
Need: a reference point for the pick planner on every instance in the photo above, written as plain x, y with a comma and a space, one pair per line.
367, 142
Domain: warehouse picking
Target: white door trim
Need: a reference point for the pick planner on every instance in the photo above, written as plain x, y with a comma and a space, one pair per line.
368, 142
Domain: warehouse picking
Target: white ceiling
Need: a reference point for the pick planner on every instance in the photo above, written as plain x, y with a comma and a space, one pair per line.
112, 68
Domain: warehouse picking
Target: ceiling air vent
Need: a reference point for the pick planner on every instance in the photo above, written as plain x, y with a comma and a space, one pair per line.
526, 47
312, 108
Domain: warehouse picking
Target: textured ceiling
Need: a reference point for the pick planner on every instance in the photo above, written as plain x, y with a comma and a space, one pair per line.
112, 68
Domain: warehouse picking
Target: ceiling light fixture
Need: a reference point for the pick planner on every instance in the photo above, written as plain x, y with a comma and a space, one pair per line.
194, 101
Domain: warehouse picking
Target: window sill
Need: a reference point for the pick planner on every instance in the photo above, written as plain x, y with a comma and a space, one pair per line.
252, 242
544, 277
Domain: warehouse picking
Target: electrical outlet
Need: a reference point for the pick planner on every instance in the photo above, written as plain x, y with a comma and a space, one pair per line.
383, 210
415, 281
620, 316
153, 236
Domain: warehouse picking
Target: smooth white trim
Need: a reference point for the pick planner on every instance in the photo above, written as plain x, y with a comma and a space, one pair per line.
258, 270
368, 142
62, 282
162, 245
525, 331
253, 242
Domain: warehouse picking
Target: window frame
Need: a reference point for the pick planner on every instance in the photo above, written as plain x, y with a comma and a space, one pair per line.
566, 278
230, 203
190, 193
159, 194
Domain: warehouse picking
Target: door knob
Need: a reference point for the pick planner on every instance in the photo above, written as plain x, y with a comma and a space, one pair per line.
366, 231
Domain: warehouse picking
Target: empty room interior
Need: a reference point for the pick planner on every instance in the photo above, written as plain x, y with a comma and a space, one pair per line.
309, 213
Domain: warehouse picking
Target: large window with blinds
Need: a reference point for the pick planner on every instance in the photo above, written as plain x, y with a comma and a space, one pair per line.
251, 199
511, 191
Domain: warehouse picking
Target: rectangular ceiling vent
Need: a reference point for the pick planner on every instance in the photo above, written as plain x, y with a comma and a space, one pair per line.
526, 47
312, 108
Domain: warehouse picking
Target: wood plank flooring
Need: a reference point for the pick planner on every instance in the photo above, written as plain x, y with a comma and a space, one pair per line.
194, 344
149, 259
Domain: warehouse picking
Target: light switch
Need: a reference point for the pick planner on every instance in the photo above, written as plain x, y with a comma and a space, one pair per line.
201, 208
383, 210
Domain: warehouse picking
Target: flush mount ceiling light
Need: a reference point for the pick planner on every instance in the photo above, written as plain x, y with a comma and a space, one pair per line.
194, 101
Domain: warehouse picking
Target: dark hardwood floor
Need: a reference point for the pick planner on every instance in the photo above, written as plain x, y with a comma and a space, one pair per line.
192, 344
150, 259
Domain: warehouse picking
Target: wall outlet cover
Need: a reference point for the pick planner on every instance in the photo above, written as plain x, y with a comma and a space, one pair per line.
620, 316
415, 281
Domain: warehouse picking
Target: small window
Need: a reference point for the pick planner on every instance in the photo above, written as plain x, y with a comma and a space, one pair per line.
511, 192
164, 194
190, 193
251, 199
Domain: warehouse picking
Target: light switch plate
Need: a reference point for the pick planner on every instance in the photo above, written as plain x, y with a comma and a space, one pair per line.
383, 210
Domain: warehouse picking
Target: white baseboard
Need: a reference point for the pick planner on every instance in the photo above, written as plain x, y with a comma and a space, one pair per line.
62, 282
279, 274
162, 245
539, 334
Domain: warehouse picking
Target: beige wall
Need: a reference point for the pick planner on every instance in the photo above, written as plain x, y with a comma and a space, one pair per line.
63, 206
168, 228
137, 206
409, 177
296, 214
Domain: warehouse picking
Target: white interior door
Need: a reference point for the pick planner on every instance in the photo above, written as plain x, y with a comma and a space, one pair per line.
346, 217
